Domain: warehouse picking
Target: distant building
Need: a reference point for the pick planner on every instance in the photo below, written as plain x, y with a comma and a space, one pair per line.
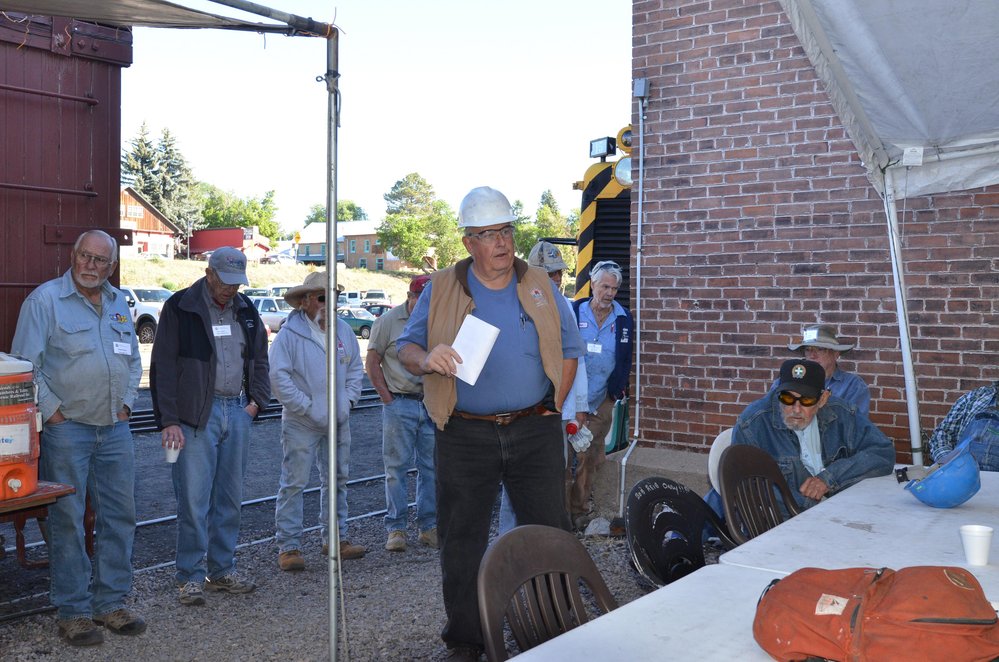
312, 244
152, 232
249, 240
361, 248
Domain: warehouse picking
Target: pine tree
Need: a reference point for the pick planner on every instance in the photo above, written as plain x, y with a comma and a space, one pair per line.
140, 165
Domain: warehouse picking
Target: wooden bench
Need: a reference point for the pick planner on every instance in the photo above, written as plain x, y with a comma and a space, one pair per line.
18, 511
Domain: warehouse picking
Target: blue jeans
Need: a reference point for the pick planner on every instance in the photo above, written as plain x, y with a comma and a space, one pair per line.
408, 435
473, 458
304, 446
99, 461
983, 433
208, 483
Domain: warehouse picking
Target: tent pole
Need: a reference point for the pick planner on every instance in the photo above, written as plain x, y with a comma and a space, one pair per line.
333, 532
911, 393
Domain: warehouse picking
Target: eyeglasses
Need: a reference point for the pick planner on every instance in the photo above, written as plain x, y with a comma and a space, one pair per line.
322, 298
787, 398
98, 260
492, 236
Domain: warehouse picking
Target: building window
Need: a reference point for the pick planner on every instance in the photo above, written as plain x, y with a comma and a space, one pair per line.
380, 264
362, 263
308, 249
353, 245
378, 242
367, 245
135, 211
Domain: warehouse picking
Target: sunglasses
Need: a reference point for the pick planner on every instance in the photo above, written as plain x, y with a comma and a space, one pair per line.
322, 298
788, 399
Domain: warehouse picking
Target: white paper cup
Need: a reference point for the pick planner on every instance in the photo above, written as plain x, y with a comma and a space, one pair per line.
977, 541
172, 454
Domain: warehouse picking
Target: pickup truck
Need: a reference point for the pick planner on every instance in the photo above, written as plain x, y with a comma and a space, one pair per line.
145, 302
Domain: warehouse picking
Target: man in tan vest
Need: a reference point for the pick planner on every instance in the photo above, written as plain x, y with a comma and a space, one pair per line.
504, 428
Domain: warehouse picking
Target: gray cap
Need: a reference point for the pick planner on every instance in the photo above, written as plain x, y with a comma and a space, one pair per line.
230, 265
547, 256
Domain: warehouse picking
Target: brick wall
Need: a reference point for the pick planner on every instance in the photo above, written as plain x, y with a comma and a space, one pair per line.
760, 219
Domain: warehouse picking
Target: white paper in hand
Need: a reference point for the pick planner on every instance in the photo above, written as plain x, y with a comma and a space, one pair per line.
473, 343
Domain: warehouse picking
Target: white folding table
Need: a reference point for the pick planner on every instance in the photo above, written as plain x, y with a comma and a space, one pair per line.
707, 615
877, 523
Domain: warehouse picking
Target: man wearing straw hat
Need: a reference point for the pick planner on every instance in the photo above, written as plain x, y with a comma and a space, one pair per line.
820, 344
298, 380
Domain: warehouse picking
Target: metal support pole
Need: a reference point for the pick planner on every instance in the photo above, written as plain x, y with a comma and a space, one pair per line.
902, 312
333, 119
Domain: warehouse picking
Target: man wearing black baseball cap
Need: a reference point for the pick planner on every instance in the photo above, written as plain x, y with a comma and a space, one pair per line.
820, 442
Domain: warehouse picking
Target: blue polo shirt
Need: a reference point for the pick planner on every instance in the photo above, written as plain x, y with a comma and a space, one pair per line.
513, 377
600, 351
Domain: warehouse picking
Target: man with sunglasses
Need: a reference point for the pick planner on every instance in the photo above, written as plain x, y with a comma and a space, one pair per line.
821, 444
78, 333
208, 378
505, 428
820, 344
298, 380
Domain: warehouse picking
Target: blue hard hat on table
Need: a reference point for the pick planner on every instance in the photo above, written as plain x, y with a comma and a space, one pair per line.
950, 484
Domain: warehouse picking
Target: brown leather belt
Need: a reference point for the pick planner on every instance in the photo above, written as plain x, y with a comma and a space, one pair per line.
505, 418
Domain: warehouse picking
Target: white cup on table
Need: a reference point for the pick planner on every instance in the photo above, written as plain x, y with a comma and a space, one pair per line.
977, 541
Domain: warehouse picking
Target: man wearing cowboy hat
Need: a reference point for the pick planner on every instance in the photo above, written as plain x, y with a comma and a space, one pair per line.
820, 344
821, 443
298, 379
208, 378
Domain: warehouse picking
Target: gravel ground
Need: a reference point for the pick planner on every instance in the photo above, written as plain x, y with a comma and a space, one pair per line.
393, 609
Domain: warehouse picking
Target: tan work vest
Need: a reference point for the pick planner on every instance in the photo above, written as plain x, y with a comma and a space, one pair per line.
451, 301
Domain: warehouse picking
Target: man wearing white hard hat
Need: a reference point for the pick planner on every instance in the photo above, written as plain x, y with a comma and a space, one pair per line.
506, 428
298, 380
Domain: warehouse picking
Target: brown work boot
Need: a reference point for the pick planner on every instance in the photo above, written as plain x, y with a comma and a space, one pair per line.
351, 551
121, 621
80, 631
396, 541
291, 560
429, 538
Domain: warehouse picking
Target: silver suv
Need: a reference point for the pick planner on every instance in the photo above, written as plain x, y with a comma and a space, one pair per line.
373, 297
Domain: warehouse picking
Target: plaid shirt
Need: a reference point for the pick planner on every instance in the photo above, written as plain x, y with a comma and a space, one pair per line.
945, 437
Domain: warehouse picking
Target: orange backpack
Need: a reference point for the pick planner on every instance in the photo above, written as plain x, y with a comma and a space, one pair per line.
920, 613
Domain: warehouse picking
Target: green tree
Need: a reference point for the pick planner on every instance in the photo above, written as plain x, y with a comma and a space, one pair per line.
410, 195
419, 225
346, 210
224, 209
548, 222
140, 166
177, 187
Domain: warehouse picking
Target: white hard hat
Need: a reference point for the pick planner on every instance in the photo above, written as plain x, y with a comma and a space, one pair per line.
484, 206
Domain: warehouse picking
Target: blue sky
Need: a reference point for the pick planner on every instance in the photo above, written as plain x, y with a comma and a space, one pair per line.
467, 93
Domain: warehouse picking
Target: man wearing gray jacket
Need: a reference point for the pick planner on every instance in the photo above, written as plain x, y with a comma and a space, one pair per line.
298, 381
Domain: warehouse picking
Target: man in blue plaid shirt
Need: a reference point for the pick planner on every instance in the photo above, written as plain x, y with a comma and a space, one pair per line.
975, 415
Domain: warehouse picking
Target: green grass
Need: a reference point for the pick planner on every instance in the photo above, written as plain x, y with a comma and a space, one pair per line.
178, 274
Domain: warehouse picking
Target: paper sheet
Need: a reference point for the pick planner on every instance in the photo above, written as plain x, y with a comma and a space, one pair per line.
473, 343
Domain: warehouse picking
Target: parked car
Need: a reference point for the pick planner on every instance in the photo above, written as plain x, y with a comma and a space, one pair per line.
145, 302
376, 309
359, 320
278, 258
372, 297
273, 311
204, 257
256, 292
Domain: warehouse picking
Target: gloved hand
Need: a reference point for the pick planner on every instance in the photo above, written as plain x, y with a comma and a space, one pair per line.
581, 440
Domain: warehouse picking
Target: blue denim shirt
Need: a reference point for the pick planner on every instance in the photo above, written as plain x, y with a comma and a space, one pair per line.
86, 365
853, 448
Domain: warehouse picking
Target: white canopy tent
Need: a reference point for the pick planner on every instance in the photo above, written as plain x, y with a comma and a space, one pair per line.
162, 14
916, 84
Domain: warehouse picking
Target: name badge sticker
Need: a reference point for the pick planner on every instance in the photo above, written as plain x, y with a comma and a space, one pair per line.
123, 348
221, 330
594, 348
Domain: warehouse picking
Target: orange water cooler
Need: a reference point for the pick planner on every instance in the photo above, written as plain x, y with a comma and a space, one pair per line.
18, 429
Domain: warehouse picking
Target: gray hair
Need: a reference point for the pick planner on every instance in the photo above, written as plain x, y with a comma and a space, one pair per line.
606, 267
99, 233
